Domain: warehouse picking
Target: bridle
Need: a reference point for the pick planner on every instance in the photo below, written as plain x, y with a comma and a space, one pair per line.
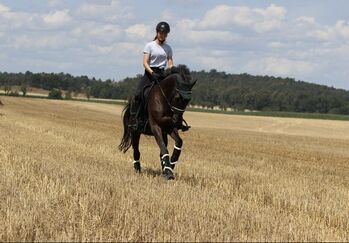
177, 111
173, 108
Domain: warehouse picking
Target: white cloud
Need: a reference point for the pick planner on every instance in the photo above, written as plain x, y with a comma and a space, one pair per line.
188, 33
342, 28
3, 8
273, 17
139, 30
37, 42
186, 2
187, 23
276, 45
113, 11
168, 16
225, 15
108, 35
306, 20
210, 36
331, 33
97, 33
258, 19
55, 3
95, 10
119, 53
213, 62
57, 18
272, 11
15, 20
280, 66
18, 20
107, 32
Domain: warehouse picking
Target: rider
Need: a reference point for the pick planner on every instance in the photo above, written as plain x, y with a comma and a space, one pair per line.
157, 55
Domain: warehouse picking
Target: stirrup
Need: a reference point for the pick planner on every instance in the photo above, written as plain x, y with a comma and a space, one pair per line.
185, 127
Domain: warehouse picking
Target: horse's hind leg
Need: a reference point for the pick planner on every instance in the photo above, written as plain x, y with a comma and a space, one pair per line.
177, 148
136, 154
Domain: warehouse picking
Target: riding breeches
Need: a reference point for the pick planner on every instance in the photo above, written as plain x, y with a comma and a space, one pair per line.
146, 80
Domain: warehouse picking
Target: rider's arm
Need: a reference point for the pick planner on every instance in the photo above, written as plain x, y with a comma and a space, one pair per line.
170, 62
146, 61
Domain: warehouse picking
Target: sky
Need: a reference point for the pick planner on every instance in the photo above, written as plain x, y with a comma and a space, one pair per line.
304, 40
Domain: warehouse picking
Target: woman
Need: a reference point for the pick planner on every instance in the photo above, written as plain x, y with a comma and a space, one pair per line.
157, 56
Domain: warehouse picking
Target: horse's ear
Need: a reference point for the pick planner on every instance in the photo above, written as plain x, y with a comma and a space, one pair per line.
193, 83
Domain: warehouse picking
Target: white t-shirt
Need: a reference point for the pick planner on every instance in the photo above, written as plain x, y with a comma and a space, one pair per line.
158, 53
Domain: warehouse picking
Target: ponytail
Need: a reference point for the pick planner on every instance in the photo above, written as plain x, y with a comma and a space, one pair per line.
156, 37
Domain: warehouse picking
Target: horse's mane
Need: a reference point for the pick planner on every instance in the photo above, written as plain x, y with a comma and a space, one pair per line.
183, 79
182, 70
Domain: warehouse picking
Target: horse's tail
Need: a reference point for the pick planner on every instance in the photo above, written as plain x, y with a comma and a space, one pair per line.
126, 139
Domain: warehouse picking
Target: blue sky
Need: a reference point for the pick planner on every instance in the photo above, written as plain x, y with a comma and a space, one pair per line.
305, 40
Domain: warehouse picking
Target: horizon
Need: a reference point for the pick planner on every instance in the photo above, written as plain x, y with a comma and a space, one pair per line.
207, 71
104, 39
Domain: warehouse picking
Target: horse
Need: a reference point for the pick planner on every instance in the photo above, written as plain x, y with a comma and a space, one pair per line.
166, 103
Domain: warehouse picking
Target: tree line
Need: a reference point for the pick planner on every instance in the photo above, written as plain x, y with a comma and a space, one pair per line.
237, 91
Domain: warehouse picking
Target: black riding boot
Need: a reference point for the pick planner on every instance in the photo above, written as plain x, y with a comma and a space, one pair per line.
185, 127
134, 114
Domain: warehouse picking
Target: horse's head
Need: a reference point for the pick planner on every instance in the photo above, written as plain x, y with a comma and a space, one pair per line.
183, 91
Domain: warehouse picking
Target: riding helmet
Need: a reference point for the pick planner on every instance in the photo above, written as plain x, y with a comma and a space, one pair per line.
163, 27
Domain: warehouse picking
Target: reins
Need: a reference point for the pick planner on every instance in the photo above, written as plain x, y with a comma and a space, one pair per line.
172, 107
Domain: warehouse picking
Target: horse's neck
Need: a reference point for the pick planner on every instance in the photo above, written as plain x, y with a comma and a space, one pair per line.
168, 84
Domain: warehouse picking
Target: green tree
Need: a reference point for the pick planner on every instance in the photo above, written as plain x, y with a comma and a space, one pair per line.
87, 91
24, 89
7, 89
55, 94
67, 95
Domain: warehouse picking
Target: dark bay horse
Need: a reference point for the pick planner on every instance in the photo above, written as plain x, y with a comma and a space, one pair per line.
166, 104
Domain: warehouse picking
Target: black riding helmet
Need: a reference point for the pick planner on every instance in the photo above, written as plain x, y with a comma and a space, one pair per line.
163, 27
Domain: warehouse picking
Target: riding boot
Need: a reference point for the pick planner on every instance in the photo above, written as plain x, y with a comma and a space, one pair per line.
185, 127
134, 111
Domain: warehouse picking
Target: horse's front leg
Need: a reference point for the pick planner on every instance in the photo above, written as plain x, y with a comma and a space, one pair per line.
164, 154
177, 147
165, 138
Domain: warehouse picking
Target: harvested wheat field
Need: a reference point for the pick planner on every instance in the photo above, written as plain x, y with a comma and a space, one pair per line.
240, 178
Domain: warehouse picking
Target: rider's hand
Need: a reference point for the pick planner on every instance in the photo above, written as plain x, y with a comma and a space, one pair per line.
155, 76
173, 69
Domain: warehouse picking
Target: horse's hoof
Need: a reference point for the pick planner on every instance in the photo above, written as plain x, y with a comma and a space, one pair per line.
137, 167
168, 174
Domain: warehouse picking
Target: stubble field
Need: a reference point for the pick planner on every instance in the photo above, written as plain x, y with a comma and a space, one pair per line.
240, 178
